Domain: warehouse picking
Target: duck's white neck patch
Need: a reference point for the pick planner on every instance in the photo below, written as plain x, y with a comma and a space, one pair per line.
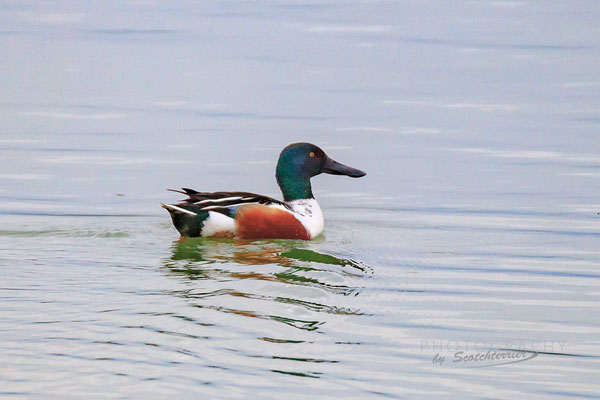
309, 213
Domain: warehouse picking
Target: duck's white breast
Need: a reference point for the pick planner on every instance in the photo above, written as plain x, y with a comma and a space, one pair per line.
309, 213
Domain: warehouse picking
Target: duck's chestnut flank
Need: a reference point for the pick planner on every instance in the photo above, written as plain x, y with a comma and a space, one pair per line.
258, 221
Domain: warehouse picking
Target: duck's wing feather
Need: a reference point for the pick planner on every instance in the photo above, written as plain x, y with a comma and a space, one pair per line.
224, 202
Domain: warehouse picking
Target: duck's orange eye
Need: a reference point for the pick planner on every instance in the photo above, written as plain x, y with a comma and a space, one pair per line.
311, 154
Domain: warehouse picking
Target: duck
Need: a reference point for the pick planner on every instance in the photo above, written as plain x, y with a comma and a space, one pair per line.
253, 216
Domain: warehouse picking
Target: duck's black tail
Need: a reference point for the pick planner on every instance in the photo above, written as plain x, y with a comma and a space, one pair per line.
189, 220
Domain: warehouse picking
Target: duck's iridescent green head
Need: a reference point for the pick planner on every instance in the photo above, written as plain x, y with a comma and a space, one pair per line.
299, 162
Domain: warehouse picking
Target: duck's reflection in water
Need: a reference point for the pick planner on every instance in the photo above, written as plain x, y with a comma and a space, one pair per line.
282, 275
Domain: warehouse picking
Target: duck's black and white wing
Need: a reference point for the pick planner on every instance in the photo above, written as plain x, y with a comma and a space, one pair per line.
224, 202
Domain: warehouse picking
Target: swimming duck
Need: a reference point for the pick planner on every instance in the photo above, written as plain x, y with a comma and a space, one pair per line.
254, 216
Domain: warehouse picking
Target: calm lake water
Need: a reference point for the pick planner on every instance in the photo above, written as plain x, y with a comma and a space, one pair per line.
476, 228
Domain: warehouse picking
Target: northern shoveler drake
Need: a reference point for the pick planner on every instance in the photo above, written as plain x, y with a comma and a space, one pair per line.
253, 216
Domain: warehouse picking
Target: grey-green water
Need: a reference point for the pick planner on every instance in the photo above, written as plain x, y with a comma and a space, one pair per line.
477, 225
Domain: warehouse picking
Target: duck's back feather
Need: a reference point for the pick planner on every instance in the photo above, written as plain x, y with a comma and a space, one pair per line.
223, 202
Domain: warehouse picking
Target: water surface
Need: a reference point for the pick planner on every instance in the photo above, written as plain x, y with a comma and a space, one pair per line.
477, 224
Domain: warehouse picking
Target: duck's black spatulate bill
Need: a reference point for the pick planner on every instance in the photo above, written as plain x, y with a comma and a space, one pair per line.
335, 168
